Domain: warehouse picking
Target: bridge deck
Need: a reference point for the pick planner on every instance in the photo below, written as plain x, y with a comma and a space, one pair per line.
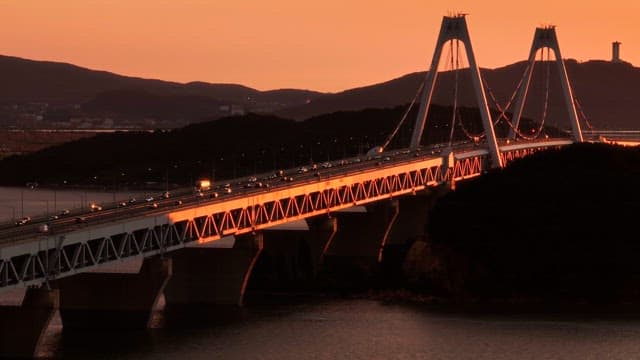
30, 257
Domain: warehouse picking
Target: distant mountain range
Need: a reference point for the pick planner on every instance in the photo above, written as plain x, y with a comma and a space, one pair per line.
606, 91
44, 81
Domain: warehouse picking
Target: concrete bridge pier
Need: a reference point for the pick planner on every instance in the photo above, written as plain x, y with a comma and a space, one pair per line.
113, 300
292, 257
357, 246
213, 276
410, 227
22, 327
322, 231
413, 215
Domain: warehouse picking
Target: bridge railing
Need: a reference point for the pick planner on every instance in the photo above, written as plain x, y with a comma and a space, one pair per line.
48, 257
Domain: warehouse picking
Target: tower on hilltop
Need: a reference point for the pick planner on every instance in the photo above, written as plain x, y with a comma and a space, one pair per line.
615, 52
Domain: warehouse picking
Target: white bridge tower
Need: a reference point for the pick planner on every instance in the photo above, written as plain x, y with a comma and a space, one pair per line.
545, 37
455, 28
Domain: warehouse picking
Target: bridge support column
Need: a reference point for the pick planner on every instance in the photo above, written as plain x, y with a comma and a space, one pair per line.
293, 257
409, 227
411, 221
322, 231
213, 276
113, 300
22, 327
358, 244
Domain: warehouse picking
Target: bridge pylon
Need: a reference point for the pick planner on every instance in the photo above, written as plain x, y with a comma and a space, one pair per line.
545, 37
455, 28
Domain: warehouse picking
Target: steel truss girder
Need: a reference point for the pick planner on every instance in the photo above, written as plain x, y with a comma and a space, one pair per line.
36, 267
510, 155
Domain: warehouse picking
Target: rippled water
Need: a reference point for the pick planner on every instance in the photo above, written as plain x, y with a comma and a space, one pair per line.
355, 329
333, 328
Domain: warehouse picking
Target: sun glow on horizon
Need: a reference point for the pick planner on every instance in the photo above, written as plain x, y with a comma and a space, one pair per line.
329, 46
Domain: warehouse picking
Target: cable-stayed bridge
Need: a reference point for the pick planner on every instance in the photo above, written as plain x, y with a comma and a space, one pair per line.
392, 184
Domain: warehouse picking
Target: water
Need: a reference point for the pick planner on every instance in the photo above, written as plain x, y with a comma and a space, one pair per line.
334, 328
327, 327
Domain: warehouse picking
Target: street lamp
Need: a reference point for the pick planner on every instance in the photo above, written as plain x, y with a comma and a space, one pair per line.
295, 161
13, 212
22, 202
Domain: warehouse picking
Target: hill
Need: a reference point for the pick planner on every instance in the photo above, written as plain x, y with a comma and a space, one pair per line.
60, 85
559, 224
605, 91
227, 147
50, 94
222, 148
54, 82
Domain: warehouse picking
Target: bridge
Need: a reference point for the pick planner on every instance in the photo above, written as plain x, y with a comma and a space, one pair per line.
179, 237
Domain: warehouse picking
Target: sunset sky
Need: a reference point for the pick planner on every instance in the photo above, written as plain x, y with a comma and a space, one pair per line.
328, 45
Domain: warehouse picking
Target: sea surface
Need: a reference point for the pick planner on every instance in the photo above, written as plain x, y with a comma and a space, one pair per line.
317, 326
335, 328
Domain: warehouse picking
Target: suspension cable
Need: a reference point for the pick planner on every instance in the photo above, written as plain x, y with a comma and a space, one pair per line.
404, 117
455, 67
503, 110
582, 114
537, 132
507, 120
545, 110
406, 113
460, 121
554, 120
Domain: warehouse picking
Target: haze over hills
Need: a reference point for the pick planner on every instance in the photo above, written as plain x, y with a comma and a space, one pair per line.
56, 92
45, 94
605, 91
55, 82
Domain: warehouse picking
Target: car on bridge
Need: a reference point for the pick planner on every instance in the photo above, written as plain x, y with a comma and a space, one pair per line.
23, 221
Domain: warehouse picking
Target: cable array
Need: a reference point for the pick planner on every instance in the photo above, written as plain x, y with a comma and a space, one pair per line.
453, 63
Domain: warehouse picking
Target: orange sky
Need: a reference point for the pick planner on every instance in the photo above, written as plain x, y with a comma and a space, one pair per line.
327, 45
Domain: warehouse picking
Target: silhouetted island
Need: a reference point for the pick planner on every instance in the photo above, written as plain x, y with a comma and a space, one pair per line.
554, 226
229, 147
557, 226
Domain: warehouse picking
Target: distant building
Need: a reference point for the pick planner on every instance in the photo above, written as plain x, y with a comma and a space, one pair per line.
615, 52
237, 110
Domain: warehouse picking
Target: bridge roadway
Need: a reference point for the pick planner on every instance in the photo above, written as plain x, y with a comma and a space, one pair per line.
29, 257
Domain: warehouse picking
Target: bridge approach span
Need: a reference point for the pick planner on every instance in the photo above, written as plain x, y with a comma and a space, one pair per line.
36, 258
